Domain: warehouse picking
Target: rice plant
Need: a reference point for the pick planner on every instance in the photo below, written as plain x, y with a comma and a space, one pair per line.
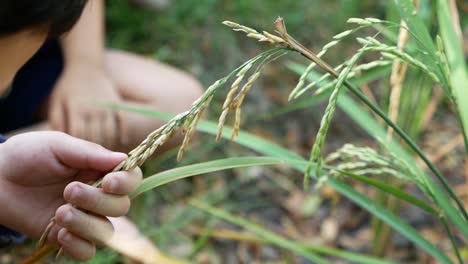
439, 63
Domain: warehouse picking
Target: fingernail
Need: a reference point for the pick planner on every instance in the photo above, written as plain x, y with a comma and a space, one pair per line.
113, 185
66, 237
67, 219
74, 193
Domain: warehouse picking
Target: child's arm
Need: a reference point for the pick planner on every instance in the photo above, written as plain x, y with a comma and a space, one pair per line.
84, 44
85, 82
41, 171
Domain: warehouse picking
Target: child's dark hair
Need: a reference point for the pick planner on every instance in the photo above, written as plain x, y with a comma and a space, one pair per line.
56, 16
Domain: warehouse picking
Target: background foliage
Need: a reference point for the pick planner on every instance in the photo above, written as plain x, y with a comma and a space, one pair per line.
266, 217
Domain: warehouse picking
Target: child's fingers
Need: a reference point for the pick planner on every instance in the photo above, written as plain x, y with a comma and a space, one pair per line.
122, 182
76, 247
86, 226
96, 200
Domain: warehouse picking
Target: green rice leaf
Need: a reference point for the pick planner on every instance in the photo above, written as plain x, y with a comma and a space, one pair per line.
310, 252
377, 131
267, 148
392, 190
456, 61
206, 167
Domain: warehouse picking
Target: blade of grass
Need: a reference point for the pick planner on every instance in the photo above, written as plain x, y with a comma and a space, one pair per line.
267, 148
438, 195
271, 237
353, 257
459, 75
458, 78
202, 239
376, 130
168, 176
456, 61
187, 215
244, 236
428, 185
391, 190
373, 128
423, 39
205, 167
308, 101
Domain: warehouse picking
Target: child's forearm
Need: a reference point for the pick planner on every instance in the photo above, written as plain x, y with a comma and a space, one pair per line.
85, 42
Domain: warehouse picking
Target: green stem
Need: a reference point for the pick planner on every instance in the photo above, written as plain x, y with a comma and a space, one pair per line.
395, 192
452, 239
464, 133
410, 143
298, 47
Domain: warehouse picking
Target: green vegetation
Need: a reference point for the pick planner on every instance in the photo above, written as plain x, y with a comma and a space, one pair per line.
229, 185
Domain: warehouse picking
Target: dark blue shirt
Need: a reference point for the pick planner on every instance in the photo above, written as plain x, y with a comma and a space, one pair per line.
30, 89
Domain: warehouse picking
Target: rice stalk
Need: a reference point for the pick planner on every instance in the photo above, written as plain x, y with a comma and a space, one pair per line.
252, 33
356, 71
300, 89
316, 153
381, 232
186, 121
445, 65
191, 130
367, 161
371, 44
394, 53
397, 78
234, 104
299, 93
237, 122
366, 22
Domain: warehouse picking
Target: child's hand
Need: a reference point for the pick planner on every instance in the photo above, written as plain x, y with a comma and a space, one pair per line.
74, 106
40, 172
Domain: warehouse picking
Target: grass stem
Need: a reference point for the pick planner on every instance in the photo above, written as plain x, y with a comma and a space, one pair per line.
296, 46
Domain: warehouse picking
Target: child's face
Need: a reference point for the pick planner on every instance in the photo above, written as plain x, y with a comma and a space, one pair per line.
15, 50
